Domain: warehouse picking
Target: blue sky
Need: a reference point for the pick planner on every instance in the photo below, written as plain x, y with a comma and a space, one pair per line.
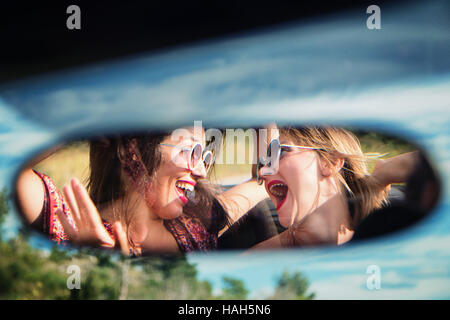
336, 70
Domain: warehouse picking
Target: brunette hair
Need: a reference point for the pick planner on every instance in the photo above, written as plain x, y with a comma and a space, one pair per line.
362, 190
106, 183
105, 180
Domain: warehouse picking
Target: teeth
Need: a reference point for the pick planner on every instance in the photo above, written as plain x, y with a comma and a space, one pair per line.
275, 192
277, 185
185, 186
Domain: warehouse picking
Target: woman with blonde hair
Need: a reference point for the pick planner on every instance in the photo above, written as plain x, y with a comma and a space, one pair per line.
318, 180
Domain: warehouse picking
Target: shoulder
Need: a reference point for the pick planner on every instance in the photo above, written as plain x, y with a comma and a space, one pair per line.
30, 194
39, 200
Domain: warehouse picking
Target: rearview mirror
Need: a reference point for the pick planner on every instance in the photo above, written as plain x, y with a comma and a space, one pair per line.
203, 189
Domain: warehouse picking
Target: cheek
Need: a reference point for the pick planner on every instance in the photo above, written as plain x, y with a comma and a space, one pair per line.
163, 189
161, 200
157, 192
160, 193
149, 196
299, 173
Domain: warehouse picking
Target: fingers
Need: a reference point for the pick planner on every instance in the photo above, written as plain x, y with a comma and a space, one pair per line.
86, 207
70, 199
121, 238
71, 232
108, 244
84, 236
91, 230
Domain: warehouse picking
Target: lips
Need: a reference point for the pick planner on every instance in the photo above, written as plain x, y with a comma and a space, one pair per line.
181, 186
278, 190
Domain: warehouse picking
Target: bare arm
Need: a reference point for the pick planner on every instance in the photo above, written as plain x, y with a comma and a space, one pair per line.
241, 198
30, 195
30, 189
396, 169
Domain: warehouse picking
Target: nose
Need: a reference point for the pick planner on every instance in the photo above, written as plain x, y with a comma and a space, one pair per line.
262, 174
267, 170
199, 171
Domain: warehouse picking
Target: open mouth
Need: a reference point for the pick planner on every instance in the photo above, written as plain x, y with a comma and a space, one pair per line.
278, 189
184, 190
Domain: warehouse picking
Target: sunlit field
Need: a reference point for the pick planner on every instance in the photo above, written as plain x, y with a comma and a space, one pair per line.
70, 161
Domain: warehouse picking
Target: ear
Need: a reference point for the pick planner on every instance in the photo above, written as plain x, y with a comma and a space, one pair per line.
339, 164
327, 169
122, 153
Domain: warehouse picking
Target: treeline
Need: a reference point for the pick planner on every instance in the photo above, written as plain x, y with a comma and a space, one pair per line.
30, 273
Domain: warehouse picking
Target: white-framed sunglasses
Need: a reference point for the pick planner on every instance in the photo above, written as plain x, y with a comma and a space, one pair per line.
269, 164
195, 154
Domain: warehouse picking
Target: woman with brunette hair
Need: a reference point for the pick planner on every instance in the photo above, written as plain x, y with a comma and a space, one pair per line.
146, 194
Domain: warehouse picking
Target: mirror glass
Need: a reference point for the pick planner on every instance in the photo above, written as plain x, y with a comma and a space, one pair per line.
203, 189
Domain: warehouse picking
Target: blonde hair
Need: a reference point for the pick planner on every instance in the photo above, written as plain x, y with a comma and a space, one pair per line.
363, 191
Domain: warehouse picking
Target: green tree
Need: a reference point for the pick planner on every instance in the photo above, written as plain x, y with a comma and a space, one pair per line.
57, 254
166, 277
100, 283
292, 287
4, 207
234, 289
27, 272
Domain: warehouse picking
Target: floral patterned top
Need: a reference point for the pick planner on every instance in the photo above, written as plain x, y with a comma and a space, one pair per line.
53, 201
189, 232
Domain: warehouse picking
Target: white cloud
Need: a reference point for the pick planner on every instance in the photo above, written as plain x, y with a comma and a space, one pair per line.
354, 287
412, 266
397, 103
19, 135
262, 293
424, 245
19, 143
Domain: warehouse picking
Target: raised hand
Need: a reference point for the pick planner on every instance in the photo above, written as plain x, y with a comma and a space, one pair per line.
89, 228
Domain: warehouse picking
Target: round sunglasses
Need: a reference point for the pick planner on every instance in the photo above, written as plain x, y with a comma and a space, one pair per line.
269, 163
195, 154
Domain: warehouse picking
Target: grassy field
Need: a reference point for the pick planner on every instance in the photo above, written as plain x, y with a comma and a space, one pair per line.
70, 161
73, 160
376, 143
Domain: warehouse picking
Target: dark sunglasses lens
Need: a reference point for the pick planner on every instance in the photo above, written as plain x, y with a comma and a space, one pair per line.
272, 151
259, 165
196, 155
208, 161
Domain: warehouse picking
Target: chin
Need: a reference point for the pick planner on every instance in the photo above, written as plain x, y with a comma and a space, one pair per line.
285, 212
285, 220
173, 213
170, 211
